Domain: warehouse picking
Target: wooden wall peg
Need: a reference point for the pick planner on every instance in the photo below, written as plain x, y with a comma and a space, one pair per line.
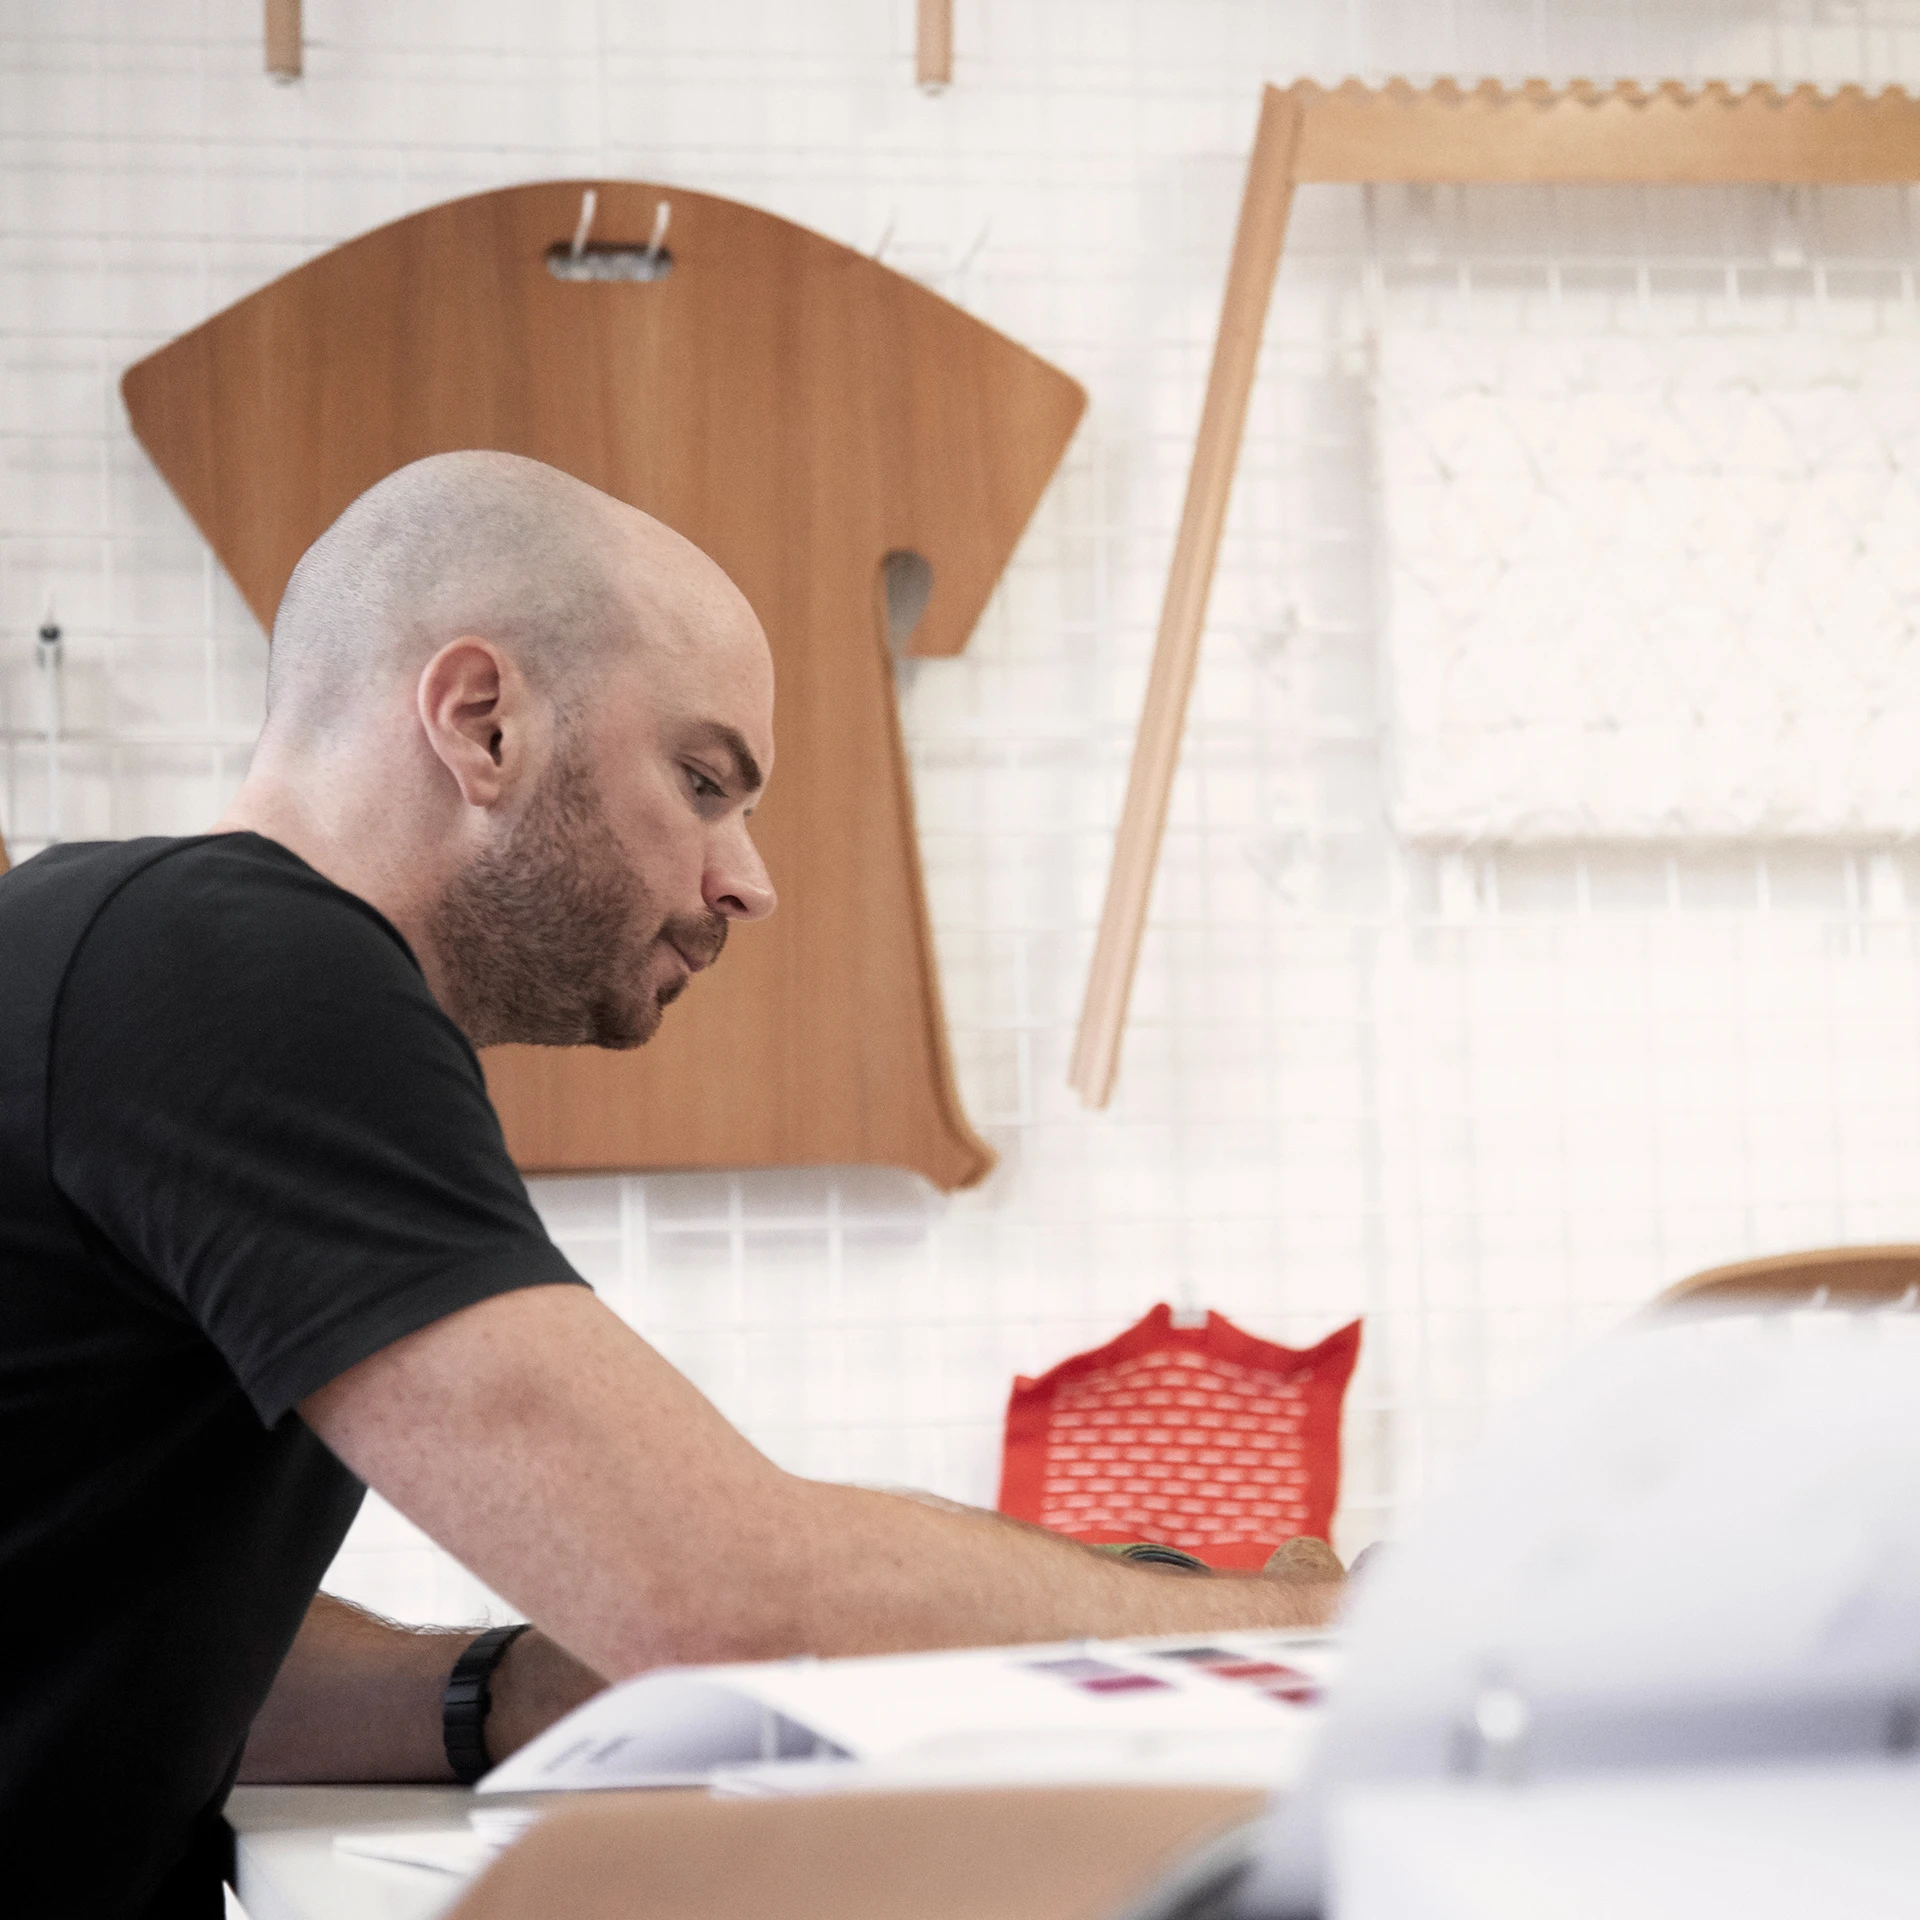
797, 410
285, 39
933, 45
1443, 134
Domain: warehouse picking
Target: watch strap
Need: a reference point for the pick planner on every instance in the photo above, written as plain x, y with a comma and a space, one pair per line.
469, 1696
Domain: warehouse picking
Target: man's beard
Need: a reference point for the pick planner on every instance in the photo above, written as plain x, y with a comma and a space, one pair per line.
548, 939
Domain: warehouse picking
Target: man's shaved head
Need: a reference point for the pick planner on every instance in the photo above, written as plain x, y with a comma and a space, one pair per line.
484, 543
556, 713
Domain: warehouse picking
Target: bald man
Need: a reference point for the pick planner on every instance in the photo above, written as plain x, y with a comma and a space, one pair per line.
261, 1245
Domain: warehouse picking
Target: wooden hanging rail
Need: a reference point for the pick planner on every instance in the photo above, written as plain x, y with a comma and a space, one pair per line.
1440, 135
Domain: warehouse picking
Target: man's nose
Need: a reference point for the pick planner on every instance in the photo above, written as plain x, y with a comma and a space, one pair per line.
736, 884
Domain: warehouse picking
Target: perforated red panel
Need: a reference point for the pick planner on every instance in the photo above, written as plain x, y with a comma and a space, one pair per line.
1204, 1438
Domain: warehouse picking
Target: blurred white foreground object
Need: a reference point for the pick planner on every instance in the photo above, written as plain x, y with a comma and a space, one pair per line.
1765, 1843
1698, 1549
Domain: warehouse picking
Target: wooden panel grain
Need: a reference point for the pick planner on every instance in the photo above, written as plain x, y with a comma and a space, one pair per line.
796, 410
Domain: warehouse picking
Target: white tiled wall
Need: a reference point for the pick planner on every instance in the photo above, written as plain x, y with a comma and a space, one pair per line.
1490, 1098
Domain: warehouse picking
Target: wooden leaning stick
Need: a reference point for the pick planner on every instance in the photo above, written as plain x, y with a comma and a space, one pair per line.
1243, 318
1442, 135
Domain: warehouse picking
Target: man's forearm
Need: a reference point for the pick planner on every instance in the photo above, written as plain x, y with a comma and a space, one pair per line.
871, 1572
359, 1698
551, 1450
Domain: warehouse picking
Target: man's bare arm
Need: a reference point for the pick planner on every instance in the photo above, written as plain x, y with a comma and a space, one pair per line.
540, 1440
359, 1698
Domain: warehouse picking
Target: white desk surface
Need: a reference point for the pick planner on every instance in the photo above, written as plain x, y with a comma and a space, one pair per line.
1763, 1843
286, 1867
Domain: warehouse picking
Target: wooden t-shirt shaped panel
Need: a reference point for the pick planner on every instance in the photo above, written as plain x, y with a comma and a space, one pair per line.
798, 411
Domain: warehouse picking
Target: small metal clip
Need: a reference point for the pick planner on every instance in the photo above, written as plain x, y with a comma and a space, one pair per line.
1787, 224
47, 656
589, 206
657, 240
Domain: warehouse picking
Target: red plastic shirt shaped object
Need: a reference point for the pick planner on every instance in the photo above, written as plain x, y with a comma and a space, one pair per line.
1204, 1438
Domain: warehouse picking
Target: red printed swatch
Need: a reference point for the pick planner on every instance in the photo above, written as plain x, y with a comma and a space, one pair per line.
1204, 1438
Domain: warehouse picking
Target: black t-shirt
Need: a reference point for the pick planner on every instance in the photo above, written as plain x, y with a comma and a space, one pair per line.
241, 1148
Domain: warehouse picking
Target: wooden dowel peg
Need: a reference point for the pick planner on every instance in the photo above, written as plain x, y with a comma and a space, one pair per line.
933, 52
284, 39
1156, 754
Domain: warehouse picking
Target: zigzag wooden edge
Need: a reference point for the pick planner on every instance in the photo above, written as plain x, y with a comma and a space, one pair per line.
1543, 93
1581, 132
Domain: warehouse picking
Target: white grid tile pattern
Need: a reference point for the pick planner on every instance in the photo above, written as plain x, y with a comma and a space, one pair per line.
1488, 1098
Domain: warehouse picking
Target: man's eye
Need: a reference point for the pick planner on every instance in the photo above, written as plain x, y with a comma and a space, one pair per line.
703, 788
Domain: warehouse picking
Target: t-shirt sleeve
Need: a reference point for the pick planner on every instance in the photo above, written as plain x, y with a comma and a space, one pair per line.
256, 1102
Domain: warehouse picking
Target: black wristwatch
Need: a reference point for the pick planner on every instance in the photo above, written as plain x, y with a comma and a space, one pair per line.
463, 1711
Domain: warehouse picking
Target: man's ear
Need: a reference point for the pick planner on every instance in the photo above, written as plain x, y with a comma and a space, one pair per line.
475, 709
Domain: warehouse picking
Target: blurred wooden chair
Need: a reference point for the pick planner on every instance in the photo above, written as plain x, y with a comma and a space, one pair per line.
1826, 1276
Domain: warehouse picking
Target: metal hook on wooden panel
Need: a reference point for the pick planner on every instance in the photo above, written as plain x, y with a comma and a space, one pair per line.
589, 206
656, 248
576, 259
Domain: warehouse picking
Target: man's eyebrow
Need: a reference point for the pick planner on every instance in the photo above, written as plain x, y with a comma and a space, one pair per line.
746, 768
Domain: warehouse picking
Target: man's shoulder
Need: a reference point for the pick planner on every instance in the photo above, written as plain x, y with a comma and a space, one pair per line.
49, 904
73, 869
227, 890
230, 949
145, 926
162, 864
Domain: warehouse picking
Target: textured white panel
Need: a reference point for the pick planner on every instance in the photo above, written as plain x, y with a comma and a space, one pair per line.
1653, 584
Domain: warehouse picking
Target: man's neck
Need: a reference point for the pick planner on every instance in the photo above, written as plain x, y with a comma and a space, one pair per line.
365, 851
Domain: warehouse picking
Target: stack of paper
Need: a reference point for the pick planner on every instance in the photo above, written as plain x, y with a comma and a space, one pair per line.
1227, 1709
